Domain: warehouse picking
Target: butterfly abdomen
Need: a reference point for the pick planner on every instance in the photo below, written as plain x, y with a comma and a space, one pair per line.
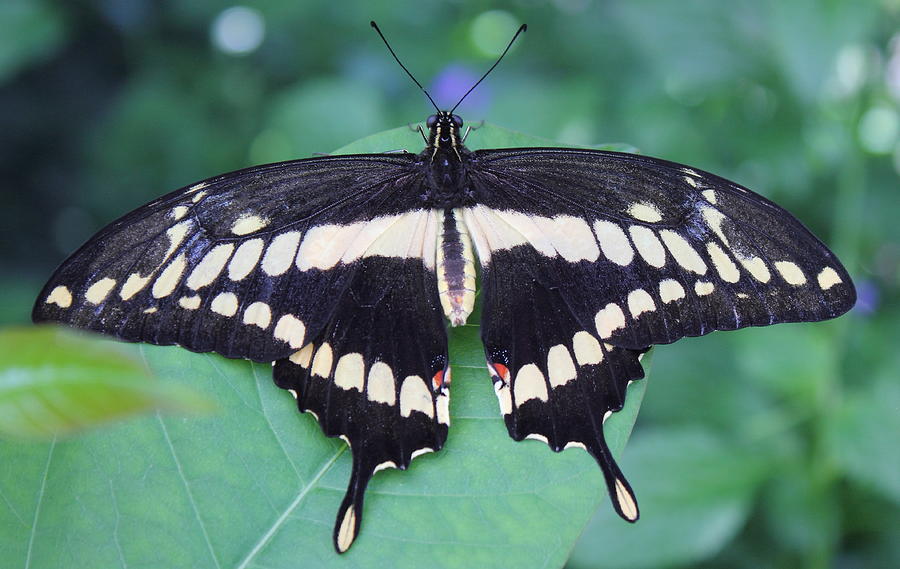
455, 270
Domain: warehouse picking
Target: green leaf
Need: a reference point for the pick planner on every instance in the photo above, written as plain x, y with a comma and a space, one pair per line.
258, 485
55, 382
681, 522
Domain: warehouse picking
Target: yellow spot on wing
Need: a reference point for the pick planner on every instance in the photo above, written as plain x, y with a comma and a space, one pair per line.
415, 396
626, 501
248, 223
703, 288
640, 301
208, 269
723, 263
60, 296
791, 273
381, 386
290, 329
258, 314
670, 290
225, 303
280, 253
347, 530
244, 259
350, 372
529, 384
166, 282
560, 367
587, 349
98, 291
303, 357
828, 278
683, 253
133, 285
613, 242
608, 319
189, 302
648, 245
321, 365
644, 211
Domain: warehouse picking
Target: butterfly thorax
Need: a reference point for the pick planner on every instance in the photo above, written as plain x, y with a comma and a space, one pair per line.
444, 160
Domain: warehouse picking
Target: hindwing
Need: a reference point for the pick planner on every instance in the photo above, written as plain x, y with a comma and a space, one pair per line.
554, 379
378, 376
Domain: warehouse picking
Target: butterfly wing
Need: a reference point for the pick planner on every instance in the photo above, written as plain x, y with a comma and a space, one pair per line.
377, 376
245, 264
555, 381
325, 266
665, 251
590, 257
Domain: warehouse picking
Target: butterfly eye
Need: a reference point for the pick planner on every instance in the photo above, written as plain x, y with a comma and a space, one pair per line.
432, 120
457, 120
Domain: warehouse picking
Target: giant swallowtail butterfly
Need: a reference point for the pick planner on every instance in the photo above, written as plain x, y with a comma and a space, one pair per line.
345, 271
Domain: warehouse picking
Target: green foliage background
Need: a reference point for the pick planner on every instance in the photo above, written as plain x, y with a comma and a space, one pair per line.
761, 448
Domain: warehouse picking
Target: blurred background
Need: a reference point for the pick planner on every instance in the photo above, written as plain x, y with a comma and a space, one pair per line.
759, 448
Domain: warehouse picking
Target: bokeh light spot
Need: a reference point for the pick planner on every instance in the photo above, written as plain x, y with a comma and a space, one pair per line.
492, 30
892, 69
238, 30
878, 129
850, 70
452, 83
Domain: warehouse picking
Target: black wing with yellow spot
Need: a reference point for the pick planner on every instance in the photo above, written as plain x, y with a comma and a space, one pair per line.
555, 381
589, 258
324, 266
378, 376
653, 251
339, 269
245, 264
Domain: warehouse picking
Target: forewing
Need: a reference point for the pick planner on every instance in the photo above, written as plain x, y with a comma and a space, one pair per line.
649, 251
377, 376
249, 264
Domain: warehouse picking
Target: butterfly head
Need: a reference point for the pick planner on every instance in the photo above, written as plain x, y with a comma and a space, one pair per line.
443, 130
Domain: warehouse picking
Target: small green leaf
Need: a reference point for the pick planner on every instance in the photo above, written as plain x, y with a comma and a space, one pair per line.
55, 382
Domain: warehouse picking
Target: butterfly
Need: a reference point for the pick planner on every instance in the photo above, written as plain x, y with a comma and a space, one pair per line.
344, 272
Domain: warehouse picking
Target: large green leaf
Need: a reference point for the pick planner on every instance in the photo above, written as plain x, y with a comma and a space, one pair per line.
258, 485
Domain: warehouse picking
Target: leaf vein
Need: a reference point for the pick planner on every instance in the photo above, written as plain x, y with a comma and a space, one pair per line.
270, 533
187, 490
37, 507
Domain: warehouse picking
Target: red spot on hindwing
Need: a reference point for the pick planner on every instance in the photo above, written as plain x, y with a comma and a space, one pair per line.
438, 380
500, 371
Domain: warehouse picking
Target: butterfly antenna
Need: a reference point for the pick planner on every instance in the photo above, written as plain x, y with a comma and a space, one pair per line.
400, 63
521, 29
